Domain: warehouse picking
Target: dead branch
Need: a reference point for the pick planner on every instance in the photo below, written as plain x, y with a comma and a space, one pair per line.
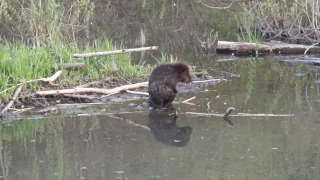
187, 100
93, 90
122, 51
14, 97
52, 78
138, 92
48, 80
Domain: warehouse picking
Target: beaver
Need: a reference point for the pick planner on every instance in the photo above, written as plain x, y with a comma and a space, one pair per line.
163, 81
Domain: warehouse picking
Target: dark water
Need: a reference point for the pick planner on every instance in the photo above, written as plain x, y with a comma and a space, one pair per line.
149, 145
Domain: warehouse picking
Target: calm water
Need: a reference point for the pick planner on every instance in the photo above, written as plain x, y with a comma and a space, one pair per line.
149, 145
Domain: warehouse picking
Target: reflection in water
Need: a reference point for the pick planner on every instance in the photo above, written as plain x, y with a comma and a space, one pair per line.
164, 128
226, 116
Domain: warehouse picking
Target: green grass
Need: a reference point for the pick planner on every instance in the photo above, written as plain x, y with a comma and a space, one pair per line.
19, 62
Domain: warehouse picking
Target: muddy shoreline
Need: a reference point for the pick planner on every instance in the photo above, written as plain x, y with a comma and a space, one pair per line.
44, 105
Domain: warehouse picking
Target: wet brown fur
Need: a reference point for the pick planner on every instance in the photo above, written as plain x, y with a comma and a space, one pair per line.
163, 81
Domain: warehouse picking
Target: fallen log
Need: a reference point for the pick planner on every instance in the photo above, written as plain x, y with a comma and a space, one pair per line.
93, 90
122, 51
264, 48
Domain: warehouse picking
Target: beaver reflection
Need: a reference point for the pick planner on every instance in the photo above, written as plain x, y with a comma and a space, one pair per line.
164, 128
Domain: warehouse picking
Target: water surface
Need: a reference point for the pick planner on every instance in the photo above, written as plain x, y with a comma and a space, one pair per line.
133, 146
146, 145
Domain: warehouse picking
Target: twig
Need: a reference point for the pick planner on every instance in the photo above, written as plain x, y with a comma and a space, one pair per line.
49, 80
93, 90
138, 92
122, 51
241, 115
187, 100
192, 104
52, 78
14, 97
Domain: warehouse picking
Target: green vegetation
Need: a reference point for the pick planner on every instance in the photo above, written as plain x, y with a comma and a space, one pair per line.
17, 62
49, 31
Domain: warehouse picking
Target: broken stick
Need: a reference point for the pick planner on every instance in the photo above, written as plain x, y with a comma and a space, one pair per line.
48, 80
122, 51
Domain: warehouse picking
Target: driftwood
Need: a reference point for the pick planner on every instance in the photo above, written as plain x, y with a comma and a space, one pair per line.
122, 51
93, 90
277, 47
304, 60
14, 97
